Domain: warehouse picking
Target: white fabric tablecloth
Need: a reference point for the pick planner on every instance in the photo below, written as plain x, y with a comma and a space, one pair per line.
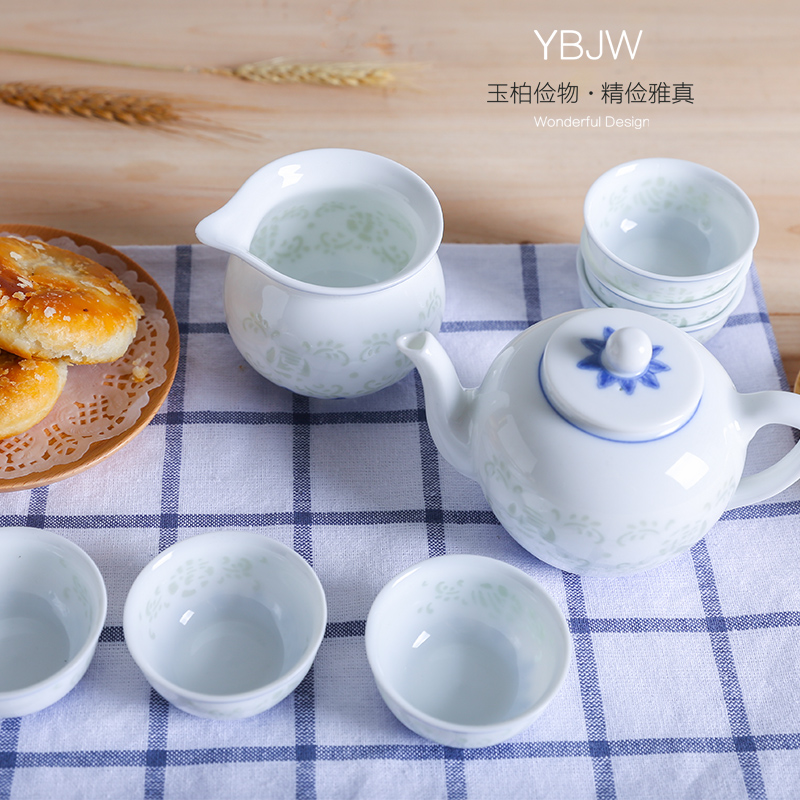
685, 679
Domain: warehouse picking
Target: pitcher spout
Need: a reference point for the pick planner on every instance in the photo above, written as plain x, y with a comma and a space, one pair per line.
448, 405
222, 231
232, 226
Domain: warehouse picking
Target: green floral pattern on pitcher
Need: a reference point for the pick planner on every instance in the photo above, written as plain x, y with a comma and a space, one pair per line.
346, 228
293, 364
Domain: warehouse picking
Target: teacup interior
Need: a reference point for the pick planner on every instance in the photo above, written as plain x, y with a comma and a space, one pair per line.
223, 623
670, 218
470, 652
463, 671
48, 608
34, 643
229, 643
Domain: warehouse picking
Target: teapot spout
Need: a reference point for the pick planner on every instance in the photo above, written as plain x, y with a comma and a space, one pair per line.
448, 405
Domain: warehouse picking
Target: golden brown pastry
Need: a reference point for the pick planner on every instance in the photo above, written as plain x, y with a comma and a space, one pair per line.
59, 305
29, 388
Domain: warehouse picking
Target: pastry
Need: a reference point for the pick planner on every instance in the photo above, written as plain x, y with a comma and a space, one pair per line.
57, 304
29, 388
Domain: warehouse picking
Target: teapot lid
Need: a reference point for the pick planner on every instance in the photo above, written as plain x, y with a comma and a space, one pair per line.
622, 375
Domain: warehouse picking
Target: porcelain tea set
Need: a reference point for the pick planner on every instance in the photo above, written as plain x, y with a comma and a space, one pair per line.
607, 440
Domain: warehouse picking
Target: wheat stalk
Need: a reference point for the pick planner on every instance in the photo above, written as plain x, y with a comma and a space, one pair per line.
130, 109
135, 110
316, 73
277, 70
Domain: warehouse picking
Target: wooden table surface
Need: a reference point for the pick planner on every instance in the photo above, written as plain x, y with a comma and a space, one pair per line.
499, 176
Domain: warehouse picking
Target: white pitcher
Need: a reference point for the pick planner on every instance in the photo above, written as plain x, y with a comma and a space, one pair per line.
333, 254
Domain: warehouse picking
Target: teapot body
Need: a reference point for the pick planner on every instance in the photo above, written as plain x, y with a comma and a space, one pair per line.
588, 504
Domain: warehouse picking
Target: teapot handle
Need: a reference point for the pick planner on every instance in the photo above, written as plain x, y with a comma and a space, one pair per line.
766, 408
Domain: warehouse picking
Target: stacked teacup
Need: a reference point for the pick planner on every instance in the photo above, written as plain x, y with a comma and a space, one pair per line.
670, 238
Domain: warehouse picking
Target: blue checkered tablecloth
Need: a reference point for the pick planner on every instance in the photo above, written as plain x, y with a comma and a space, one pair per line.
684, 682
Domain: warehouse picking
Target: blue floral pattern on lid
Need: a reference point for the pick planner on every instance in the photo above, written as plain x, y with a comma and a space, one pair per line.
606, 378
596, 391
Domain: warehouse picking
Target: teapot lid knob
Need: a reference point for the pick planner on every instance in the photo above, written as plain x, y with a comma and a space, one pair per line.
622, 374
628, 352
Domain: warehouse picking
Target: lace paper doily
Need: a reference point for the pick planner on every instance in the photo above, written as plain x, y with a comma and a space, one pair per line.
100, 401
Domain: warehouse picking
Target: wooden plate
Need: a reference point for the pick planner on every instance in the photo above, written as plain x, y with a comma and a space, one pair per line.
103, 448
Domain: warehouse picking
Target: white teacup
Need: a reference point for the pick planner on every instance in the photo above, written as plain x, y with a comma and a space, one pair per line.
681, 315
700, 331
668, 230
466, 651
226, 624
52, 610
333, 254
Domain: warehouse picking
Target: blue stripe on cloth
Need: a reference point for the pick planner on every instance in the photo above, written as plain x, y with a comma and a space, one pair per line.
455, 779
155, 773
337, 630
266, 519
482, 325
749, 318
762, 318
112, 634
726, 667
763, 511
581, 625
301, 476
303, 698
156, 755
401, 416
37, 505
431, 485
9, 738
193, 328
483, 516
170, 483
305, 739
426, 751
530, 283
591, 696
782, 619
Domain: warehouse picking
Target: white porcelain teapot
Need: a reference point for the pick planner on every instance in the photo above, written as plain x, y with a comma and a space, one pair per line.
606, 441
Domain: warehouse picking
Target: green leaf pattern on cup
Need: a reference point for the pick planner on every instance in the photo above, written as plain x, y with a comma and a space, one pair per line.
193, 574
494, 598
210, 711
75, 586
378, 342
656, 196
